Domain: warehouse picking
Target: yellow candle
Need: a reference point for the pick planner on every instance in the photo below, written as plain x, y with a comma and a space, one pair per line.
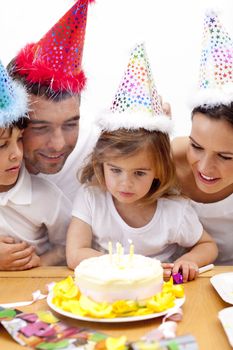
110, 250
131, 252
118, 251
121, 250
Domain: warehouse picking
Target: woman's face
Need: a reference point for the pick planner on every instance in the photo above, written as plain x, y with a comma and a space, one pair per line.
210, 153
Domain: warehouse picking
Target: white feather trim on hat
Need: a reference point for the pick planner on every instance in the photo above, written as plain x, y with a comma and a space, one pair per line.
133, 121
212, 11
212, 97
18, 107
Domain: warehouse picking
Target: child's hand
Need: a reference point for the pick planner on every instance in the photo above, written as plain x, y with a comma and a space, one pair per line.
167, 270
34, 261
189, 269
14, 256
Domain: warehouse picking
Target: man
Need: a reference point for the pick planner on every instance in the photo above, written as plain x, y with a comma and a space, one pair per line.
51, 72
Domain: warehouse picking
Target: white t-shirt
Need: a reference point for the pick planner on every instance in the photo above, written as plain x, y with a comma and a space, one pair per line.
67, 179
35, 211
217, 220
174, 223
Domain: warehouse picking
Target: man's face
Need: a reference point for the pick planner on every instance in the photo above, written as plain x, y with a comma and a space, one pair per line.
51, 134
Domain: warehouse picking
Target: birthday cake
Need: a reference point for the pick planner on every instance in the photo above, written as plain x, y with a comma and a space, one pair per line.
108, 279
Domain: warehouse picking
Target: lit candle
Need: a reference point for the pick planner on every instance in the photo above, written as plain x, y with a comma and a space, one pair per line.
121, 250
110, 250
118, 251
131, 250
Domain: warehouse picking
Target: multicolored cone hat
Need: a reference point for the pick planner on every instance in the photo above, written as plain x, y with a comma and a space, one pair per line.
136, 104
216, 68
13, 99
56, 59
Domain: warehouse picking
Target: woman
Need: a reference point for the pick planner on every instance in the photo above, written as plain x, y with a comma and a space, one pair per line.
204, 164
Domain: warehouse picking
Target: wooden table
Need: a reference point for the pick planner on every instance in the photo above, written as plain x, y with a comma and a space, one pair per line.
200, 309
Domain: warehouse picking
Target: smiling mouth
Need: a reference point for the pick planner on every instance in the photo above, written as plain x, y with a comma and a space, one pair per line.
52, 157
207, 179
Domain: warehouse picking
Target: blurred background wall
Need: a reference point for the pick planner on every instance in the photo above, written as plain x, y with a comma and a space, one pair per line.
171, 30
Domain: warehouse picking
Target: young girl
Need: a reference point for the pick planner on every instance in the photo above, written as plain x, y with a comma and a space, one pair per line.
34, 214
127, 196
129, 178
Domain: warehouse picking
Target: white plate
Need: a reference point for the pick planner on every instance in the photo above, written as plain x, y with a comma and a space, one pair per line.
226, 318
223, 283
178, 303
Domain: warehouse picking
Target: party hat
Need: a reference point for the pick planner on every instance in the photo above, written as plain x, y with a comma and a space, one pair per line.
216, 67
56, 59
13, 99
137, 103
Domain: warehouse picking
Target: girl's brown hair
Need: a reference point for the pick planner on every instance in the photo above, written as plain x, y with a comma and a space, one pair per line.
125, 143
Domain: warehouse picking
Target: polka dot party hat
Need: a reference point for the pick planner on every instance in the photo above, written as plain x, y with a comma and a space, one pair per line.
13, 99
216, 67
136, 103
56, 59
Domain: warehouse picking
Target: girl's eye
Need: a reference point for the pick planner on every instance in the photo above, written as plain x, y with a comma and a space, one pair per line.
140, 173
115, 170
3, 145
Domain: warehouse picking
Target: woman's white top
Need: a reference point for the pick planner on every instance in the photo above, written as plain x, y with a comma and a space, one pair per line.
217, 220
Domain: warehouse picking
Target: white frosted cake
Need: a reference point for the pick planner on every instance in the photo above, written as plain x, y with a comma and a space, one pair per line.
107, 278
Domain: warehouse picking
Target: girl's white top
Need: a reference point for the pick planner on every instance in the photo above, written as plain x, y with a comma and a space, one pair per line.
174, 223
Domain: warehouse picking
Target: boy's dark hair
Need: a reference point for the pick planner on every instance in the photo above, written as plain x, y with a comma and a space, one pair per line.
20, 124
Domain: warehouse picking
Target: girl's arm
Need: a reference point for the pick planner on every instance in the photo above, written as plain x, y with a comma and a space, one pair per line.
54, 256
78, 243
204, 252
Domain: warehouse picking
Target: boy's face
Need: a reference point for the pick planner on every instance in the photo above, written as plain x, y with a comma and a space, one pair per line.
51, 134
11, 155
